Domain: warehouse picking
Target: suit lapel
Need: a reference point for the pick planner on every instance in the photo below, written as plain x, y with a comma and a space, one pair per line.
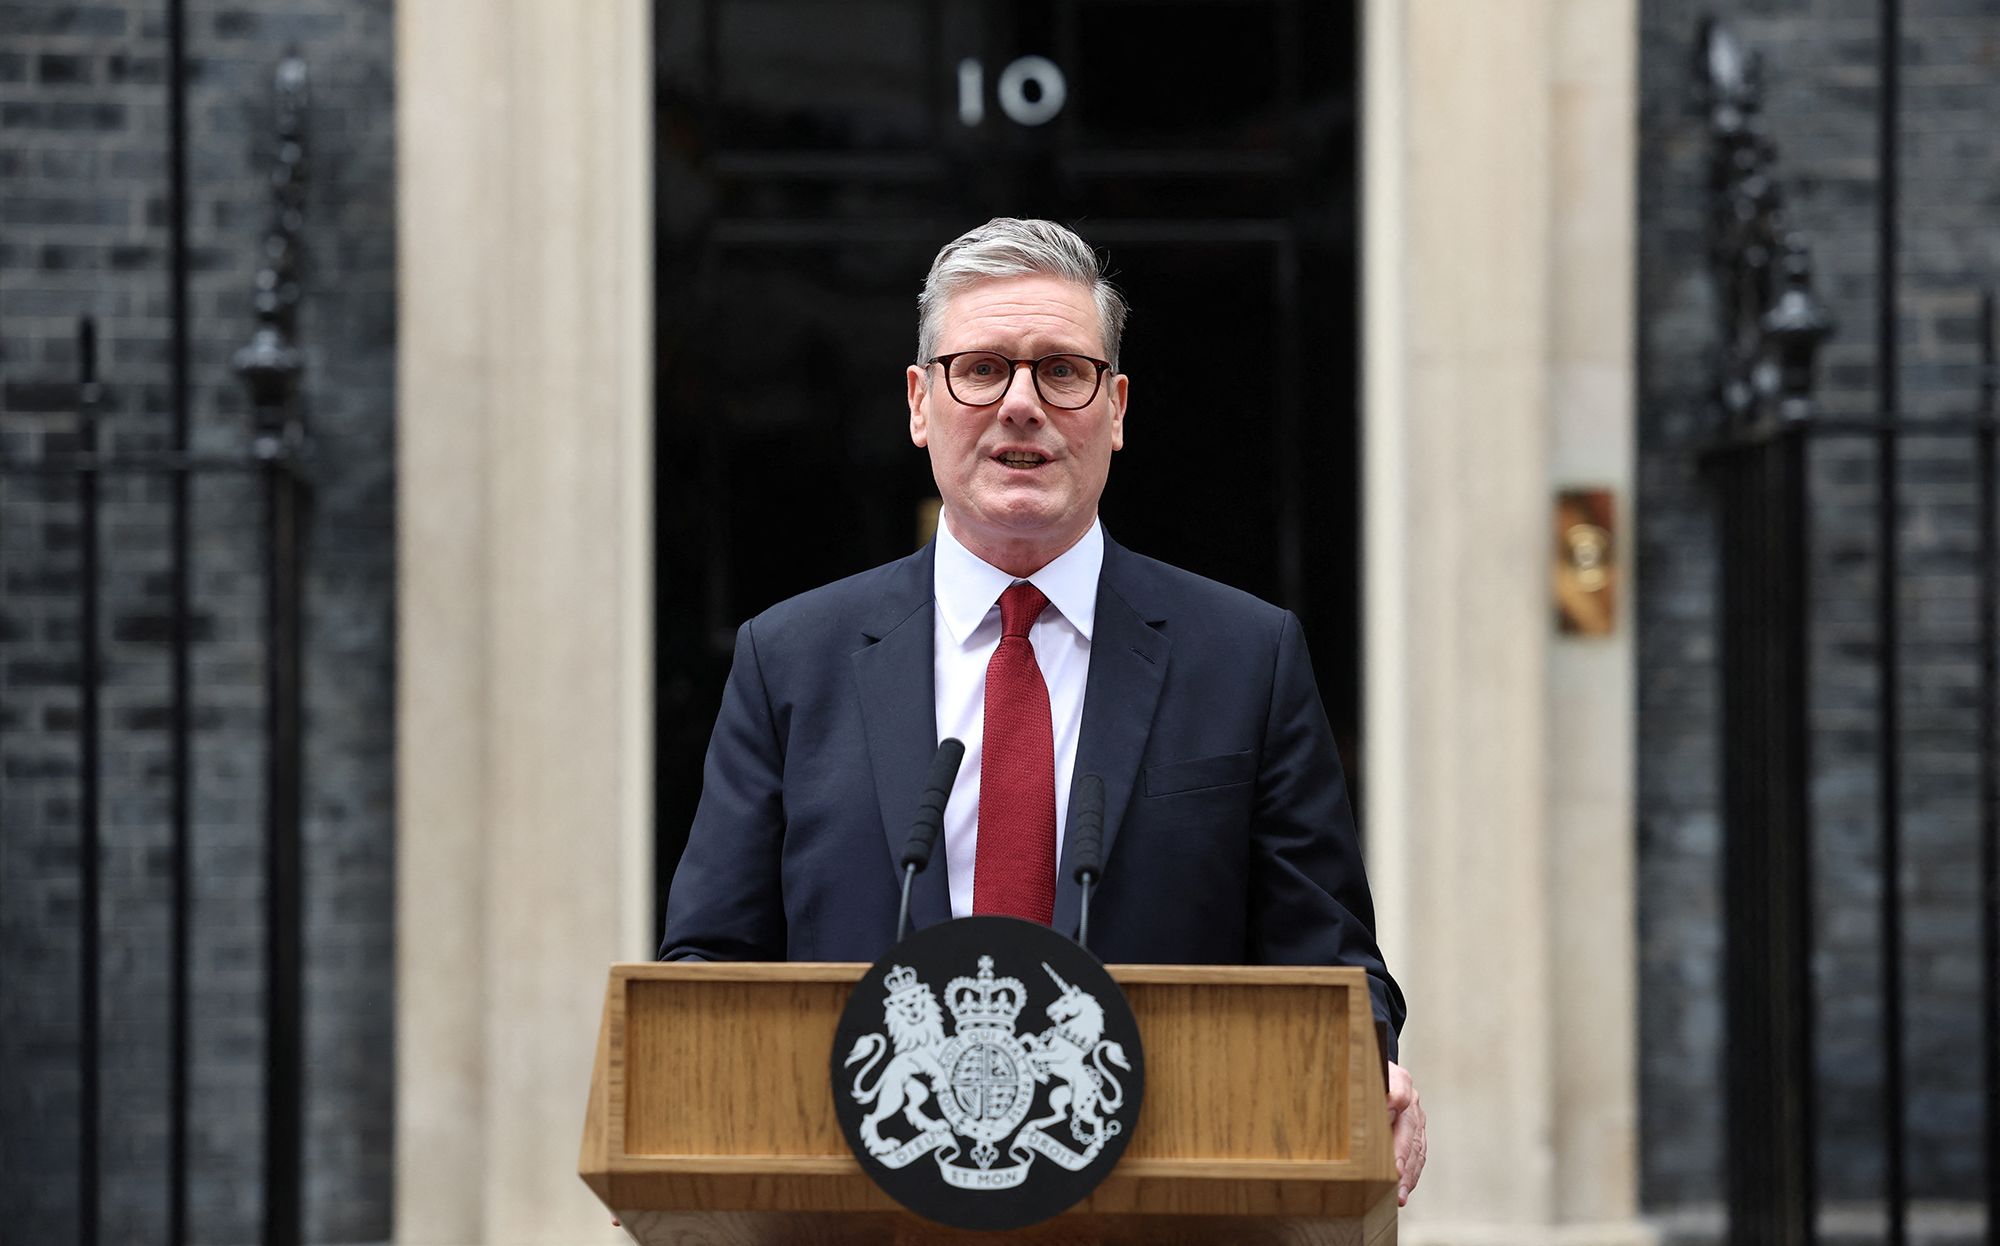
894, 671
1128, 666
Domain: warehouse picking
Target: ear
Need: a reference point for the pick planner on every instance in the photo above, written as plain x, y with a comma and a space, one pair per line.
918, 380
1118, 387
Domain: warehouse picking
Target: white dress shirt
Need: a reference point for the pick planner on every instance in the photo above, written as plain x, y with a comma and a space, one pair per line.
967, 631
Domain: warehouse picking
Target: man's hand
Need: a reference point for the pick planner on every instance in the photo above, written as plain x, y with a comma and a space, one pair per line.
1406, 1127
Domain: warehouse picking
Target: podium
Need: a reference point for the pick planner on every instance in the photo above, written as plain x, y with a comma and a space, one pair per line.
711, 1115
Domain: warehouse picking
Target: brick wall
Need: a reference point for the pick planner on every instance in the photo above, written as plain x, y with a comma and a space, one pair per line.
1821, 97
84, 230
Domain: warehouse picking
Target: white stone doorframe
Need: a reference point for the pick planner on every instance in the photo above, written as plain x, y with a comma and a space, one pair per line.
524, 595
1499, 235
1498, 160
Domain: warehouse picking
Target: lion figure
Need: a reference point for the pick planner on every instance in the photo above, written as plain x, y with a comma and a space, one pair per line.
915, 1023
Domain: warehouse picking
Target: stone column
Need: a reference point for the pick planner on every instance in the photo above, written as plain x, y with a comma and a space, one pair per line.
524, 595
1499, 235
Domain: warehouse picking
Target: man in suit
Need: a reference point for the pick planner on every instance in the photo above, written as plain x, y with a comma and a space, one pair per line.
1053, 653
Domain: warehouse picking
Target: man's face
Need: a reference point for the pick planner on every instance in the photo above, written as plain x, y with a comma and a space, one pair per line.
1020, 480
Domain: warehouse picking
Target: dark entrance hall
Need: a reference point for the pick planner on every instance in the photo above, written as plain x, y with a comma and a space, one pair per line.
812, 157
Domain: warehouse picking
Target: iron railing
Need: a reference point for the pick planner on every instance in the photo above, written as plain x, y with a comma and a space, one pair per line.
271, 367
1770, 328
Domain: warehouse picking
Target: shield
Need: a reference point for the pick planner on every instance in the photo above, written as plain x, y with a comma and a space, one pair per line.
991, 1086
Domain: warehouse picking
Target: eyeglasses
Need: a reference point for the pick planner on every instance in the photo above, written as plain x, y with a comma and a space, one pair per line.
980, 378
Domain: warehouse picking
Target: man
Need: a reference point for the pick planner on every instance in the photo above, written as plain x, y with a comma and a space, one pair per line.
1052, 652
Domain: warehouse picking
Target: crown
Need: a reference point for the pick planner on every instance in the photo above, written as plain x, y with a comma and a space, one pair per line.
985, 1002
900, 980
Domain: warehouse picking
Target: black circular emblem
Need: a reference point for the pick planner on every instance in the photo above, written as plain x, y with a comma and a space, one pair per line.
987, 1073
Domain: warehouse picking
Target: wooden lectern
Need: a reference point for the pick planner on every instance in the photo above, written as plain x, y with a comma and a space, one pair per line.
711, 1114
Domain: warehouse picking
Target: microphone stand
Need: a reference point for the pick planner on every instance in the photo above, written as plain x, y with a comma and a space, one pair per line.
930, 819
1087, 849
903, 910
1086, 881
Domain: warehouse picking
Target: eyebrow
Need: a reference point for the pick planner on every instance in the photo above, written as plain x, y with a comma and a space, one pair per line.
995, 350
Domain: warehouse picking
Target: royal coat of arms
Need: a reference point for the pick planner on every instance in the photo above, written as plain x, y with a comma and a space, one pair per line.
971, 1096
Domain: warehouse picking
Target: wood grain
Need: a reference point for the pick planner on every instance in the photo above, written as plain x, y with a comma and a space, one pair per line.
731, 1067
1242, 1071
711, 1114
885, 1229
1378, 1227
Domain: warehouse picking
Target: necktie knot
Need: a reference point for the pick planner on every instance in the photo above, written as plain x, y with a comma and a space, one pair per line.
1020, 606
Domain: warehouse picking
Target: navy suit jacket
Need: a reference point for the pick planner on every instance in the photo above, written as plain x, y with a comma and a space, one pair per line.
1228, 836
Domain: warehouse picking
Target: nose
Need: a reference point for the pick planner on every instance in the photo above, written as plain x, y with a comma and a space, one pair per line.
1022, 403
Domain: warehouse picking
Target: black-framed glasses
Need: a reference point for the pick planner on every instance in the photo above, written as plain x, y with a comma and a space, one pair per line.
979, 378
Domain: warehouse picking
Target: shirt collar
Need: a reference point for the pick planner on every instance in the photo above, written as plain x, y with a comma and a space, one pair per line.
967, 586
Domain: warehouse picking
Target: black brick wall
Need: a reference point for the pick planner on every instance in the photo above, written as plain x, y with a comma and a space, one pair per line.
1821, 100
84, 230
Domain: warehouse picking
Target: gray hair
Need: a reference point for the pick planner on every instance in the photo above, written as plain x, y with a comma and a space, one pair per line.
1009, 247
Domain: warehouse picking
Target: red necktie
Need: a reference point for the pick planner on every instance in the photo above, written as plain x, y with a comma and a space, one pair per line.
1014, 871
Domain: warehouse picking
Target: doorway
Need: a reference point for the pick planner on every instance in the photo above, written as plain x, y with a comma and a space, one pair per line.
811, 158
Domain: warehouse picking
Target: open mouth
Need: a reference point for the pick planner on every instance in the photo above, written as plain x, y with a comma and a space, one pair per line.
1020, 460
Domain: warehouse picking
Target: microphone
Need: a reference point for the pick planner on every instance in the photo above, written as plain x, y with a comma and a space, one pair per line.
1087, 848
922, 842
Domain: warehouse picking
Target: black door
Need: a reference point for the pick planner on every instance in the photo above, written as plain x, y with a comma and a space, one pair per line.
812, 156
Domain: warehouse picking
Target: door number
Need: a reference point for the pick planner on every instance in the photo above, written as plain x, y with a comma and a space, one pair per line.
1031, 91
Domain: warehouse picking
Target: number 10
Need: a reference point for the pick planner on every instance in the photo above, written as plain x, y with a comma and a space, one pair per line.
1037, 71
